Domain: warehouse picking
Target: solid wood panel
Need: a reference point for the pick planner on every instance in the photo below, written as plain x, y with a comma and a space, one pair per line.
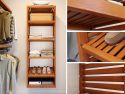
41, 23
105, 86
81, 83
105, 78
81, 39
104, 71
90, 91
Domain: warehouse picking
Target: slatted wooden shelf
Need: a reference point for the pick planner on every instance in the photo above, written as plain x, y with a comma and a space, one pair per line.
41, 23
104, 78
36, 75
89, 14
42, 39
42, 86
5, 45
105, 52
41, 57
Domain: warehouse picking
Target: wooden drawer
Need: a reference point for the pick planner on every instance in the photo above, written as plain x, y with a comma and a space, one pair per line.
41, 16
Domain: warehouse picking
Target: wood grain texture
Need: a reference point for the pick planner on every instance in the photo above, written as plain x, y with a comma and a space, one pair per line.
41, 9
104, 71
105, 86
100, 92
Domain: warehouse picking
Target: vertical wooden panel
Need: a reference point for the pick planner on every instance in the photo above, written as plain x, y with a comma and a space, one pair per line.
81, 78
82, 37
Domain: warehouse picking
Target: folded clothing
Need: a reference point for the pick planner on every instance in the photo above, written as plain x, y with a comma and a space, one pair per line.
114, 37
35, 53
35, 36
47, 82
35, 82
39, 36
46, 52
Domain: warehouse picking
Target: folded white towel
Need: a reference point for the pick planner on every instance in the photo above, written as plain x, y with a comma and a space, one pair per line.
35, 52
41, 2
34, 83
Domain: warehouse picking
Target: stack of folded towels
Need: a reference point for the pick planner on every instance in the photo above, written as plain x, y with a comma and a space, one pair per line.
35, 53
45, 52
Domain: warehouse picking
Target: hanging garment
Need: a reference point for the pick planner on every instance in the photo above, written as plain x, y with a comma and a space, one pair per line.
7, 30
4, 77
11, 71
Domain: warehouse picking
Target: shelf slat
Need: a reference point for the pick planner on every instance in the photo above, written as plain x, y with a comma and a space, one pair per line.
41, 57
42, 86
42, 39
52, 75
41, 23
5, 46
36, 75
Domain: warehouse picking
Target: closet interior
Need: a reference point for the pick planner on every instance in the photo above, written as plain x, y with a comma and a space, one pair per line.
6, 8
88, 15
41, 46
102, 78
94, 48
94, 15
8, 62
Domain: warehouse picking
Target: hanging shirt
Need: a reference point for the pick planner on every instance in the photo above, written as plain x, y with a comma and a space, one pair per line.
4, 77
6, 27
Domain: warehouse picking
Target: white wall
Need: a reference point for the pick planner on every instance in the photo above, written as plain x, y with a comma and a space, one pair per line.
19, 11
72, 78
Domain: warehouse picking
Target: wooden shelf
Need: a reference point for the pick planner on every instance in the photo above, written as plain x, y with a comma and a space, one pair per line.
42, 86
41, 57
5, 46
42, 39
41, 9
4, 6
41, 23
36, 77
52, 75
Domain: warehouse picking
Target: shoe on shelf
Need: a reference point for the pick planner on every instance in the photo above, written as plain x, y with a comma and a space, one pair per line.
49, 70
39, 70
33, 70
44, 70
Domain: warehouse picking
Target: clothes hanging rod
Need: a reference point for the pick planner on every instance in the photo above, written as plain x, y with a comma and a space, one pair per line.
4, 6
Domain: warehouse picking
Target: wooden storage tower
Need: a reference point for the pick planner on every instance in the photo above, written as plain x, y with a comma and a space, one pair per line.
41, 9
